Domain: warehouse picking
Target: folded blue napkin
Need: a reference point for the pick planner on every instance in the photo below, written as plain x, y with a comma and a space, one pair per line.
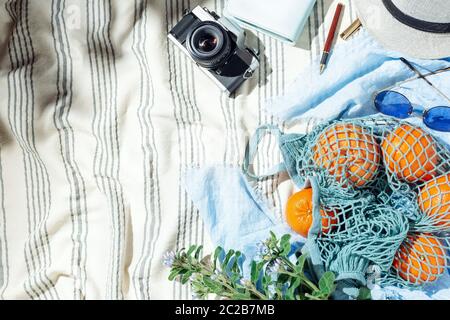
283, 19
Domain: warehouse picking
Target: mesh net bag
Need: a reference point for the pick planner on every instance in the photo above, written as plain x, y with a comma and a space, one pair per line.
386, 185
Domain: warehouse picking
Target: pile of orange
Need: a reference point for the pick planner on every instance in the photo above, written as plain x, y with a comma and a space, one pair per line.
420, 259
349, 153
410, 153
299, 213
353, 156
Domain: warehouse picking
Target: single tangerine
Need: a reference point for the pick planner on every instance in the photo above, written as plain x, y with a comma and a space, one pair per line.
349, 153
434, 200
420, 259
299, 213
410, 153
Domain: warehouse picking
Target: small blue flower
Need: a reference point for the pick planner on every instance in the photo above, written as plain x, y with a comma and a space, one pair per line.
261, 249
169, 258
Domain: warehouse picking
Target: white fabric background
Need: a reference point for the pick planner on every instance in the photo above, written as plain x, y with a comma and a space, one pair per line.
99, 116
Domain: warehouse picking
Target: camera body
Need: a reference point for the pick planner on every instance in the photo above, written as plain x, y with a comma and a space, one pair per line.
217, 46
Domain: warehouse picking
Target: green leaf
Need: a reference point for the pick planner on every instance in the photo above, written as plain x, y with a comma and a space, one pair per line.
300, 264
285, 239
285, 245
273, 236
364, 294
213, 287
191, 250
254, 272
285, 249
173, 274
290, 292
326, 283
283, 278
227, 260
235, 267
265, 281
217, 253
185, 277
198, 252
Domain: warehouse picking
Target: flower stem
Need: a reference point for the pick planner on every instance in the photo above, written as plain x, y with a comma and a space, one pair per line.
305, 279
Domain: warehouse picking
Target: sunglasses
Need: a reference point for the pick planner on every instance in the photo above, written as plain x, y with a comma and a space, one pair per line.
395, 104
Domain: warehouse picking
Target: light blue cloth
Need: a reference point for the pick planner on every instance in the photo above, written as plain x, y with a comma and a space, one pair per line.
235, 216
356, 71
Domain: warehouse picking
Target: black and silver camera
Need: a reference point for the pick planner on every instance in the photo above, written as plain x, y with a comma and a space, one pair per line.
217, 46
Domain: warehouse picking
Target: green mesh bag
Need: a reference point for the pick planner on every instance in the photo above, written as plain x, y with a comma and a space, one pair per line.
386, 185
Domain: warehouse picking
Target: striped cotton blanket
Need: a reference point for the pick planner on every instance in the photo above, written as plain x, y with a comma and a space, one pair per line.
99, 117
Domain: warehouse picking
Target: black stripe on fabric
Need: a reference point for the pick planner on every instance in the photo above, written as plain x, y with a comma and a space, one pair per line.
122, 217
199, 144
63, 104
322, 19
201, 152
310, 39
266, 84
12, 100
105, 130
270, 90
184, 158
189, 146
275, 151
175, 97
21, 119
152, 224
316, 29
44, 177
4, 261
193, 119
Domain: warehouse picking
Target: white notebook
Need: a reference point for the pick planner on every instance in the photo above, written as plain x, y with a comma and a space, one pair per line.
281, 19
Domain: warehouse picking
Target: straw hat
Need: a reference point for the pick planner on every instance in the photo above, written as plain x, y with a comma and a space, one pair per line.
416, 28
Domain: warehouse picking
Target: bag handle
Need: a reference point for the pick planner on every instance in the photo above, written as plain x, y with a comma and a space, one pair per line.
252, 149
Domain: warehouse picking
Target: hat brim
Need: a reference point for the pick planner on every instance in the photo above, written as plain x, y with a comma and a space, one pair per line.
396, 36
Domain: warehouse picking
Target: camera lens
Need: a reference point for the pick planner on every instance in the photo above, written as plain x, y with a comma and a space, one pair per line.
209, 44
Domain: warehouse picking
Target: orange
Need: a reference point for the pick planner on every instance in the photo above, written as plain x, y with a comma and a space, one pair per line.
410, 153
434, 200
420, 259
349, 153
299, 213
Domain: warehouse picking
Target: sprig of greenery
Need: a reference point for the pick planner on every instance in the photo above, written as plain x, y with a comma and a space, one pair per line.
273, 275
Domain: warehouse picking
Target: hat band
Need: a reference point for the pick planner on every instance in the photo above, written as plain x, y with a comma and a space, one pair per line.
422, 25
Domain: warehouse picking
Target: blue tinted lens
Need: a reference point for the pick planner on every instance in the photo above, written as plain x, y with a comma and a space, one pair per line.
393, 104
438, 118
